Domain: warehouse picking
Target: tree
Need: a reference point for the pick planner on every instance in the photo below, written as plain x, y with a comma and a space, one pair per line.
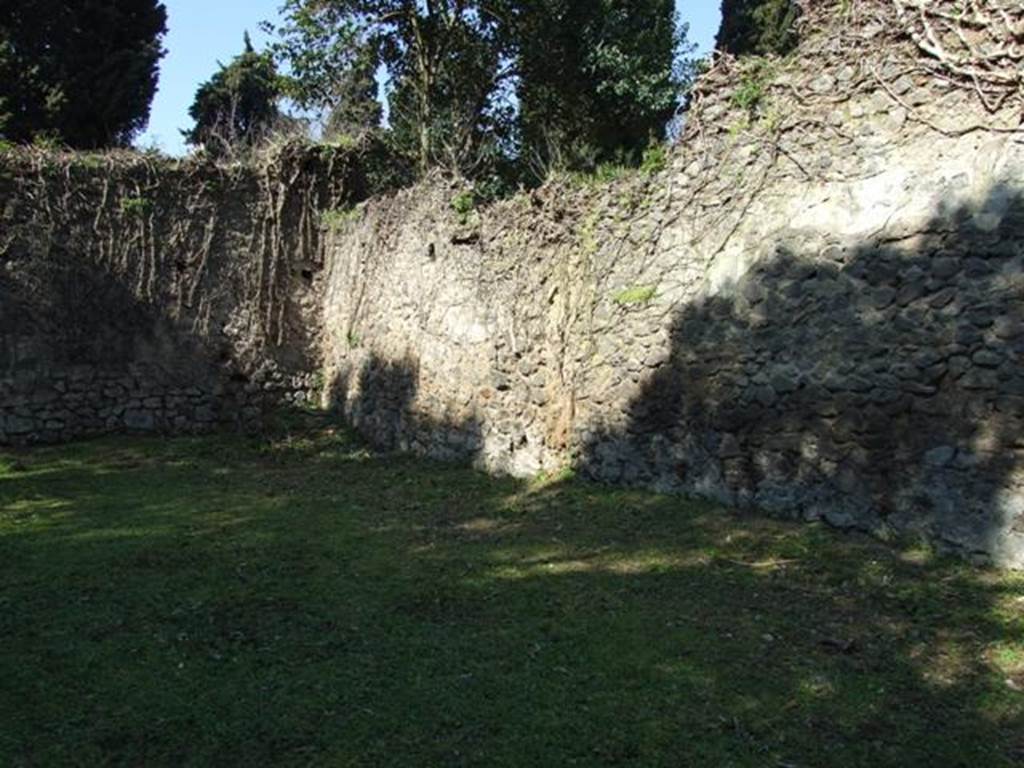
443, 59
600, 79
238, 105
476, 85
330, 71
758, 27
355, 108
448, 107
81, 71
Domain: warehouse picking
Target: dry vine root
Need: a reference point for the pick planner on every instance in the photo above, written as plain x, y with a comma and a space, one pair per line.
977, 43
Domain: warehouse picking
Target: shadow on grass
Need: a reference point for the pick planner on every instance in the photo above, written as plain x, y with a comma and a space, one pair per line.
302, 601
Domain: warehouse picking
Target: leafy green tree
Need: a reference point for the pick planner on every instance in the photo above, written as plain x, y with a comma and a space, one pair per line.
355, 108
441, 58
330, 70
758, 27
238, 105
454, 110
478, 85
83, 72
600, 79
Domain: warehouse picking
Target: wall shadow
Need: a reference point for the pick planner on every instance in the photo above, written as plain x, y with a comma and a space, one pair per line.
876, 385
381, 398
83, 354
73, 312
161, 297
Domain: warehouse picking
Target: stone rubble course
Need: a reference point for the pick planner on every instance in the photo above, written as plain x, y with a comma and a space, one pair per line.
814, 310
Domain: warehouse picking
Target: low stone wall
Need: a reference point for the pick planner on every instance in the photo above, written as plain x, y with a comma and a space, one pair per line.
85, 401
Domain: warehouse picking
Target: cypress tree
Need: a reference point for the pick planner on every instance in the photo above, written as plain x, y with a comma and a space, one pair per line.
83, 72
238, 105
758, 27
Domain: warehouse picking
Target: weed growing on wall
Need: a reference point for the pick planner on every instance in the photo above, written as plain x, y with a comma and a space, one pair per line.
639, 294
752, 93
136, 206
655, 159
337, 219
464, 203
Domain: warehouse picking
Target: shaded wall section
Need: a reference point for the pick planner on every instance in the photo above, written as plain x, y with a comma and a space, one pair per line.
879, 387
142, 294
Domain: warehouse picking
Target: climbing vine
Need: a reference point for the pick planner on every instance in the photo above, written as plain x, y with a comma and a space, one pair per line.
978, 44
191, 239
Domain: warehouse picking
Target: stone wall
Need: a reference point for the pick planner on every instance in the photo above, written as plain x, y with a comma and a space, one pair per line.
815, 310
144, 294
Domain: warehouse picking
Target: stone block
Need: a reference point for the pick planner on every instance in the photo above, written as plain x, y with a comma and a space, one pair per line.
18, 425
140, 420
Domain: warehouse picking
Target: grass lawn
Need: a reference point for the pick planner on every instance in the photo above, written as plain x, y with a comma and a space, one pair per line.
300, 601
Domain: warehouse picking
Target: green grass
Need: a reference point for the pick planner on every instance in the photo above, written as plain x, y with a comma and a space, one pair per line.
300, 601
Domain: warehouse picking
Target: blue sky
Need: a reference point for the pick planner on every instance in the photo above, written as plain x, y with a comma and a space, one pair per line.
203, 32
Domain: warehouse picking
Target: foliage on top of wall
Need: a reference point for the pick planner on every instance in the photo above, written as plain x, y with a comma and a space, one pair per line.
758, 27
238, 105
